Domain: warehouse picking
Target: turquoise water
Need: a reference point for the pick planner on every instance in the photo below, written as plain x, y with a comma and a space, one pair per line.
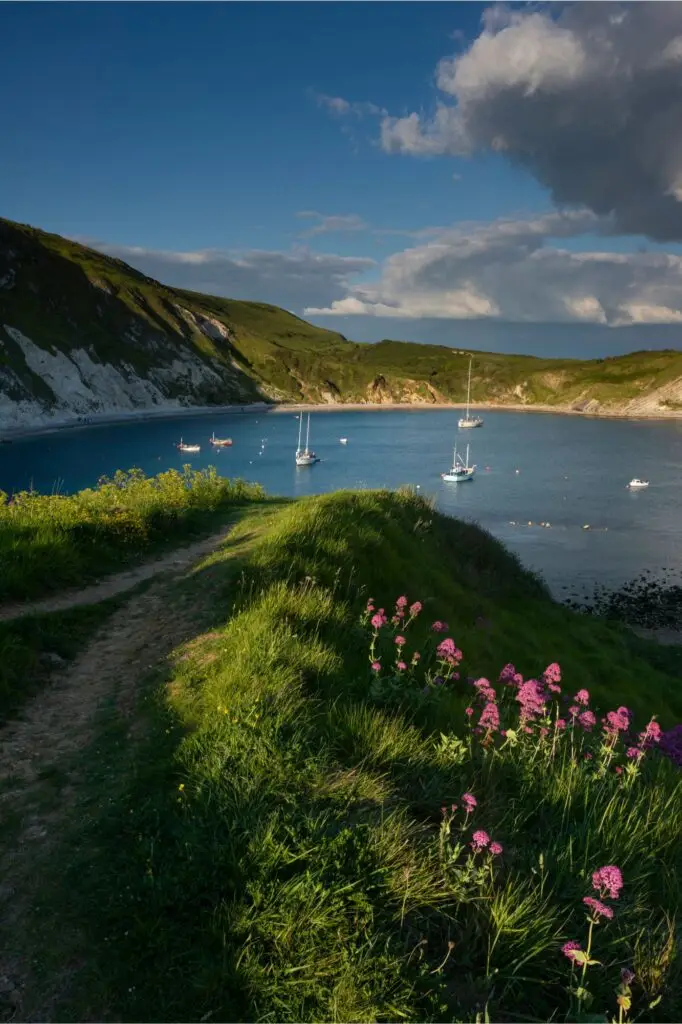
572, 472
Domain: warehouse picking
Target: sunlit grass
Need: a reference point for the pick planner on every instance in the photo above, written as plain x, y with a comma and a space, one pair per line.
51, 541
279, 853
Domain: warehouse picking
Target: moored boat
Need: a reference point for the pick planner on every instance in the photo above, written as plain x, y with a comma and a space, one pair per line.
220, 442
182, 447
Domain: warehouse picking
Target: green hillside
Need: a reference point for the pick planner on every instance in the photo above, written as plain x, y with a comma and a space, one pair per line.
106, 326
269, 815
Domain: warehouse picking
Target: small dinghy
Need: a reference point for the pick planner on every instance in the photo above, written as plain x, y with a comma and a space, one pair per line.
637, 485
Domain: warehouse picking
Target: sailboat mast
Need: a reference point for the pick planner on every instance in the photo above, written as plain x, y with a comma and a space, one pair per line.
307, 434
469, 388
300, 428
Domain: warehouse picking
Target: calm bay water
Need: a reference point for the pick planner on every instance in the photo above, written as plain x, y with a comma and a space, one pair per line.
572, 472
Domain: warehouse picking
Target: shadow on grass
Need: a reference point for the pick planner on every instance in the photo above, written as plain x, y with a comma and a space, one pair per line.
270, 850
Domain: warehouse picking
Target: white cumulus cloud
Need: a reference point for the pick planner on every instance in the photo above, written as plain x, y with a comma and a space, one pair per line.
586, 96
517, 270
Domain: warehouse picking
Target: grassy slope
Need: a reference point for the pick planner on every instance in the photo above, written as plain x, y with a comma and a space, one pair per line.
86, 298
48, 542
273, 851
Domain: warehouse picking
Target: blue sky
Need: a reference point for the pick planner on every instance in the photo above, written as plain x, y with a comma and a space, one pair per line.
191, 139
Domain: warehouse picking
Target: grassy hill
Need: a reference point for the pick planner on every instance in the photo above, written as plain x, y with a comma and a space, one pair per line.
266, 826
103, 337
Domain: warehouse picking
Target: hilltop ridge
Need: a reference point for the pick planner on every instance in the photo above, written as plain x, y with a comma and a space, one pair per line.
83, 334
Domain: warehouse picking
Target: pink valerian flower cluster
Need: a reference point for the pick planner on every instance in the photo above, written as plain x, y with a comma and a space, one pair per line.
615, 722
582, 697
480, 841
448, 651
570, 948
608, 881
588, 720
490, 718
440, 627
379, 619
598, 908
484, 690
507, 674
652, 734
552, 677
531, 700
469, 801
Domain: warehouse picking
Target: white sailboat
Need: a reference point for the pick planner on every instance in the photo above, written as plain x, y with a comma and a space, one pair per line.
461, 470
305, 456
220, 442
470, 421
182, 447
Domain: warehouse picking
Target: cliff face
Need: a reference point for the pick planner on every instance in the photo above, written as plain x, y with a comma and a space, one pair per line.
83, 334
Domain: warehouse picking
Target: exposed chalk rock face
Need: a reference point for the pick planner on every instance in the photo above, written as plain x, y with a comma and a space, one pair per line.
79, 385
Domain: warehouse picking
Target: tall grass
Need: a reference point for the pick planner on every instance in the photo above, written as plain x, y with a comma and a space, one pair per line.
287, 849
51, 541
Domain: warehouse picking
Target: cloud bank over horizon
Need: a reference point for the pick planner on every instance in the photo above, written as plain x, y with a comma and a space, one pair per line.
586, 96
587, 99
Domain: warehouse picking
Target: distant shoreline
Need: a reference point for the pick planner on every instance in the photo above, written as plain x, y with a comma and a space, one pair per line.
141, 416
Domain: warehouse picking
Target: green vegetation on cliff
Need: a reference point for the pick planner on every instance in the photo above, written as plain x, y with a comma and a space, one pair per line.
65, 297
273, 836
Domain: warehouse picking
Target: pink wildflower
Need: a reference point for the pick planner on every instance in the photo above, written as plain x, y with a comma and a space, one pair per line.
401, 666
618, 769
415, 608
570, 948
552, 673
553, 688
376, 666
490, 717
507, 674
469, 712
588, 720
479, 840
617, 721
400, 641
469, 801
608, 881
582, 697
518, 679
395, 621
370, 605
652, 734
634, 753
598, 908
379, 619
446, 648
496, 849
561, 723
531, 699
573, 711
627, 976
401, 602
440, 627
